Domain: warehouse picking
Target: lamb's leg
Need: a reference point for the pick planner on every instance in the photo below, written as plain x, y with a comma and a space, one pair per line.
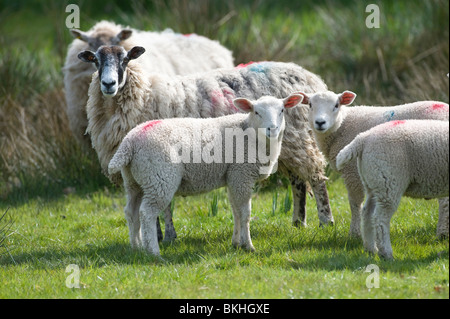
442, 226
148, 215
170, 233
356, 200
323, 202
383, 214
240, 199
299, 198
368, 225
134, 198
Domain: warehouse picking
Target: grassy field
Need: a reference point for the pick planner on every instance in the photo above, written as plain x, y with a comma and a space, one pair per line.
90, 231
62, 211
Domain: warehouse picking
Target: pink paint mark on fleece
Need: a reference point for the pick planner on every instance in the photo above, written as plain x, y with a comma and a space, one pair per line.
224, 96
439, 107
396, 123
148, 125
243, 65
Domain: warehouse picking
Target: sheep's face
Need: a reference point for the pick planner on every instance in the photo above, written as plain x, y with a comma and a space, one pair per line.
268, 112
325, 109
101, 38
111, 63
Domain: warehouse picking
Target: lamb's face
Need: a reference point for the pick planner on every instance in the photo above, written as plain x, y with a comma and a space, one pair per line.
111, 63
268, 112
325, 108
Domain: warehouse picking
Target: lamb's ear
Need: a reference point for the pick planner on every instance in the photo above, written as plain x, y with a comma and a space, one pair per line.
124, 34
135, 53
347, 97
305, 97
78, 34
292, 100
87, 56
243, 104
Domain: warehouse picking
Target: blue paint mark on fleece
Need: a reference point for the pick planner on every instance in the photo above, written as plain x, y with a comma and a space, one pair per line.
262, 67
389, 115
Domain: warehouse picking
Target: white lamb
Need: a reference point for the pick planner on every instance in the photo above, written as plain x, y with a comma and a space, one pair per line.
154, 171
336, 125
123, 95
168, 53
394, 159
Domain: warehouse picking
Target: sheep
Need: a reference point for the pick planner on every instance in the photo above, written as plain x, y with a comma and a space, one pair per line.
335, 125
169, 53
154, 171
398, 158
113, 110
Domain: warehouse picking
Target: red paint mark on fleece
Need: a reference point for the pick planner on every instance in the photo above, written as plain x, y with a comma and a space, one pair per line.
225, 96
396, 123
243, 65
149, 125
188, 34
439, 107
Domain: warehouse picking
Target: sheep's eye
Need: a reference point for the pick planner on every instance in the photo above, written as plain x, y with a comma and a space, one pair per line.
310, 105
282, 110
337, 105
256, 113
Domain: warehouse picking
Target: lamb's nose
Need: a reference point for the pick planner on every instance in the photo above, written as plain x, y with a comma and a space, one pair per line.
320, 124
109, 84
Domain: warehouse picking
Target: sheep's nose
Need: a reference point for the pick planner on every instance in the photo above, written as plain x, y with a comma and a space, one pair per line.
109, 84
319, 124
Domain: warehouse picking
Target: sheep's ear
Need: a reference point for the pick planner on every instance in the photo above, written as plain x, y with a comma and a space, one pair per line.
292, 100
135, 53
243, 104
305, 97
124, 34
87, 56
347, 97
78, 34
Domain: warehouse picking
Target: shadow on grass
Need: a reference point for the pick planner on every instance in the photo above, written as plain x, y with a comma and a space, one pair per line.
325, 254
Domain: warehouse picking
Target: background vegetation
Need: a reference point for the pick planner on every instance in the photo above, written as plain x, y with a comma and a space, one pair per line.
65, 211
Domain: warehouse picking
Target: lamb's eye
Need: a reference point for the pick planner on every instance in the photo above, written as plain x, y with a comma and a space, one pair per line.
337, 105
256, 113
282, 110
310, 105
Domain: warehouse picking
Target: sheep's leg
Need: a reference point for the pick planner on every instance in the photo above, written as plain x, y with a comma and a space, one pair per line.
323, 202
240, 199
148, 215
356, 200
299, 198
442, 226
134, 198
368, 225
382, 215
170, 233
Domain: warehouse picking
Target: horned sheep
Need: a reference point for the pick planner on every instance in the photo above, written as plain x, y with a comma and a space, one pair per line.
335, 125
168, 53
115, 107
394, 159
154, 171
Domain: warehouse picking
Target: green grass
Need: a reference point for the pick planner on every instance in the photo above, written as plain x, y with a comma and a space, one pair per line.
90, 231
41, 164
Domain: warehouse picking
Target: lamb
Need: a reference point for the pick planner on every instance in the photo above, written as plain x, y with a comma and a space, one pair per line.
394, 159
115, 106
336, 125
169, 53
154, 171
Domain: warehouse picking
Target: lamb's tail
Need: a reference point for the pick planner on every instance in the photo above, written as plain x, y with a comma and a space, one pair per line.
121, 158
349, 152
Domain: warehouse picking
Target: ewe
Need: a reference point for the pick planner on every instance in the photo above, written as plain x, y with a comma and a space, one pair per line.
394, 159
168, 53
123, 95
336, 125
154, 171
